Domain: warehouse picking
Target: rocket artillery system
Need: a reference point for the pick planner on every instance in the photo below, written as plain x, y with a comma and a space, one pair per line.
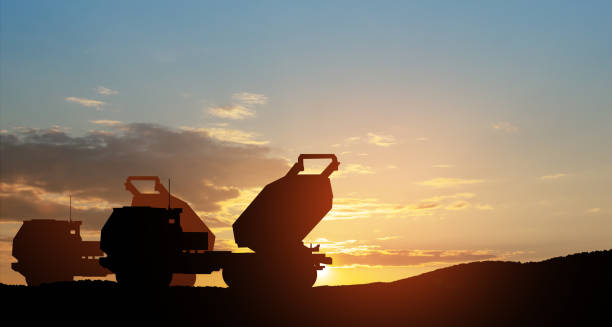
50, 250
145, 246
190, 222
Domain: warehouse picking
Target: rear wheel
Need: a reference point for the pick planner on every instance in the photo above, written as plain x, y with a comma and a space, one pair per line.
140, 274
273, 278
144, 279
295, 277
237, 278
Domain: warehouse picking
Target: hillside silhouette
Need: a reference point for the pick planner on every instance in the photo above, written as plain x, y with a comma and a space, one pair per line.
574, 290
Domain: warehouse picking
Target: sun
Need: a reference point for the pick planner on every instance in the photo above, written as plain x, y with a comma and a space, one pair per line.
324, 275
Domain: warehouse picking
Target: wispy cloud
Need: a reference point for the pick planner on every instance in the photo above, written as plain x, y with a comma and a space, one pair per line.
354, 169
381, 139
106, 122
106, 91
464, 195
235, 111
243, 106
228, 135
443, 166
458, 205
230, 208
359, 208
553, 176
505, 127
442, 182
421, 139
483, 207
351, 252
387, 238
86, 102
250, 98
594, 210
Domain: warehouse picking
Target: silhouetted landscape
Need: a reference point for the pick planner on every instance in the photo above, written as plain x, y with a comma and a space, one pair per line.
571, 291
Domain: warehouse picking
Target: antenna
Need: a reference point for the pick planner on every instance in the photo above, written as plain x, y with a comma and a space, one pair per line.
168, 193
70, 212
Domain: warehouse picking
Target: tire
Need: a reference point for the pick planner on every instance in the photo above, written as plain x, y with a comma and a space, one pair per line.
141, 273
130, 279
293, 278
234, 278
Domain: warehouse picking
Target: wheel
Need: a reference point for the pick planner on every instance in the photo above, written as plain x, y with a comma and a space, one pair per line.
235, 278
131, 279
294, 277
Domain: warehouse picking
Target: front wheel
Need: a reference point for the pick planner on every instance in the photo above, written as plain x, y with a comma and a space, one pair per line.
131, 279
141, 273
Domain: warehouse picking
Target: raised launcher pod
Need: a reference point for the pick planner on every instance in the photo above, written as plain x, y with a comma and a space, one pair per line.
190, 221
52, 251
286, 210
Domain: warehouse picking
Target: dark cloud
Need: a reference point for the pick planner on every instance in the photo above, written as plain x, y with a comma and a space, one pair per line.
407, 257
203, 170
27, 205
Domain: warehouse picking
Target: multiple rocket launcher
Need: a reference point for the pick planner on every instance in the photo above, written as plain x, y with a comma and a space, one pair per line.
159, 239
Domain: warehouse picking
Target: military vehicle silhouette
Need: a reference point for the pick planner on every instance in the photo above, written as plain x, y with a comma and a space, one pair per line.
161, 198
145, 246
50, 250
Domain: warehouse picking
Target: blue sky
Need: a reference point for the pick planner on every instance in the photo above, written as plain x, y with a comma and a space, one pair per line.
156, 51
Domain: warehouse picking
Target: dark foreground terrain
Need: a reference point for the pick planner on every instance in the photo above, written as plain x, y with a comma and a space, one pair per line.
570, 291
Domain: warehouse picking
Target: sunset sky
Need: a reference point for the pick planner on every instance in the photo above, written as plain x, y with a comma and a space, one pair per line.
466, 130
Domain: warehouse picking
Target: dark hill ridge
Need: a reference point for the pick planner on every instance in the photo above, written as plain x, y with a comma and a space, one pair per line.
574, 290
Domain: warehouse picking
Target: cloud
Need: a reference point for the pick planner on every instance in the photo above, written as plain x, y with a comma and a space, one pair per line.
392, 257
235, 111
241, 110
228, 135
387, 238
443, 166
360, 208
553, 177
442, 182
105, 122
505, 127
86, 102
105, 91
594, 210
40, 167
250, 98
483, 207
22, 202
421, 139
458, 205
353, 169
230, 208
439, 198
381, 140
